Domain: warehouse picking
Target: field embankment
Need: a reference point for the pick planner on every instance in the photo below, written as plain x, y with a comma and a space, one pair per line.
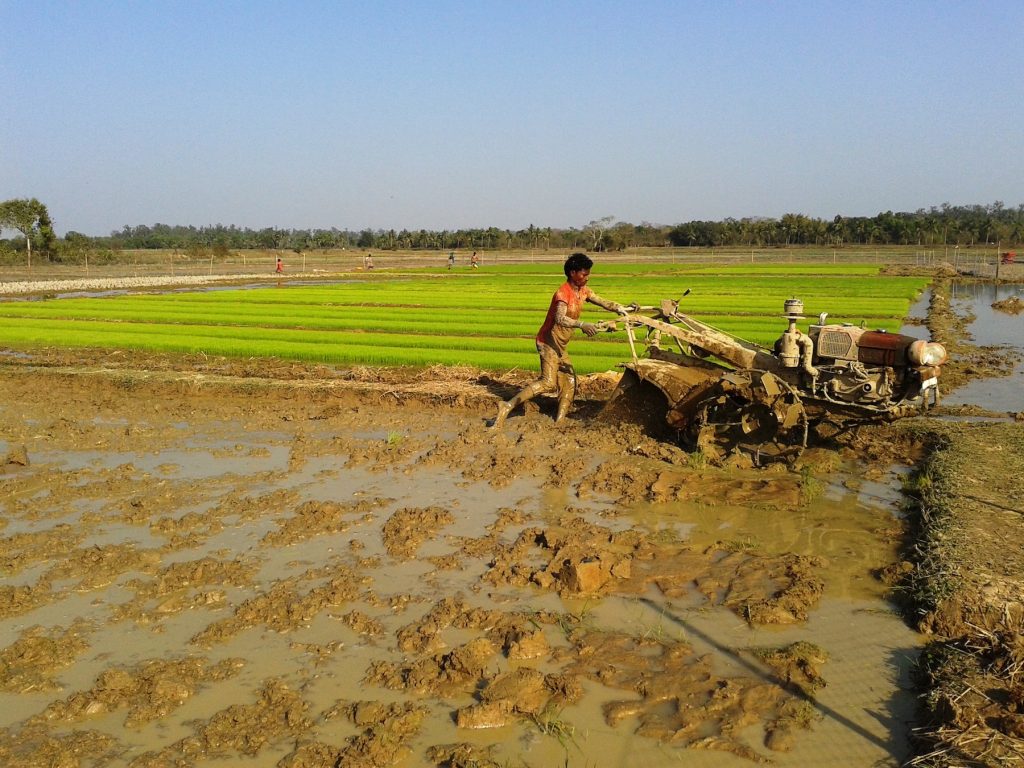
967, 583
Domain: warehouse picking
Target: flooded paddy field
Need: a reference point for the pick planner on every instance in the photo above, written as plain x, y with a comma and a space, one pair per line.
995, 323
222, 568
208, 562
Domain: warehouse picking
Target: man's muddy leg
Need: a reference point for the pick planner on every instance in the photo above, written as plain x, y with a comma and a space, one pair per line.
527, 393
546, 383
566, 390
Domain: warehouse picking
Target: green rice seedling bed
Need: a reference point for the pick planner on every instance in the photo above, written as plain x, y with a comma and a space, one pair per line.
466, 322
517, 323
486, 318
881, 298
322, 346
733, 265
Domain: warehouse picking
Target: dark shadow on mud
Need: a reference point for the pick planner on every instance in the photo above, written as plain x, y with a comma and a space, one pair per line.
643, 404
648, 409
762, 673
500, 389
990, 503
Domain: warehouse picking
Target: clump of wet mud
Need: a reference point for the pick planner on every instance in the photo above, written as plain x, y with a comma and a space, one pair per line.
499, 466
285, 606
409, 527
149, 691
1011, 306
79, 569
23, 550
278, 713
582, 558
716, 708
17, 456
502, 698
37, 747
314, 518
183, 586
516, 634
881, 446
460, 669
520, 692
576, 557
30, 662
797, 665
667, 478
462, 755
384, 733
379, 455
362, 624
682, 700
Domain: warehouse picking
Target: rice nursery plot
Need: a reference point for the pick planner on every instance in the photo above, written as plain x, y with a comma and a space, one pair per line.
485, 318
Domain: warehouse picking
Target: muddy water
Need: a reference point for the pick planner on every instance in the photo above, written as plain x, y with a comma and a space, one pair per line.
866, 705
992, 327
192, 577
916, 316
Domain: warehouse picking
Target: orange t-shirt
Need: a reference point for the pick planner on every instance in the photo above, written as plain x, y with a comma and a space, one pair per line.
558, 336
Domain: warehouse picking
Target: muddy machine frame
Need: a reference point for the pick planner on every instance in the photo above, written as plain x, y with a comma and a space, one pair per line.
725, 395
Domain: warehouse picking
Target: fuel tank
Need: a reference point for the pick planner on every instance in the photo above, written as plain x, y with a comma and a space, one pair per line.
848, 342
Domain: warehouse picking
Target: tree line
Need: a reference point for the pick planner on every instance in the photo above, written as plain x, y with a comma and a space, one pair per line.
964, 225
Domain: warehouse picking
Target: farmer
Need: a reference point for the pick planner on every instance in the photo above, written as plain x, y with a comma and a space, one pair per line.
280, 266
451, 259
556, 371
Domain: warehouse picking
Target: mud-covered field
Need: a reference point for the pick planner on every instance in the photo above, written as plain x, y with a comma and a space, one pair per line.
224, 563
213, 562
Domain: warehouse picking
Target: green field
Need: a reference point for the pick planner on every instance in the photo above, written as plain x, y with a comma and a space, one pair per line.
422, 317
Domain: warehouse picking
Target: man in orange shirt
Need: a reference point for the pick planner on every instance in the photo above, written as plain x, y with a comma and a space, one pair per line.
556, 371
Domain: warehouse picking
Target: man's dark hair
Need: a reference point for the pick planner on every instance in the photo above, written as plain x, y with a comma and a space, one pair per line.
577, 262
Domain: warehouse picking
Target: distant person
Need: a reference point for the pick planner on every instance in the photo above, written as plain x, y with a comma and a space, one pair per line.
368, 261
280, 266
451, 259
474, 260
556, 371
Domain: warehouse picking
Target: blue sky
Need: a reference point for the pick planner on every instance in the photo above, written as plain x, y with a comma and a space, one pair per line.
448, 114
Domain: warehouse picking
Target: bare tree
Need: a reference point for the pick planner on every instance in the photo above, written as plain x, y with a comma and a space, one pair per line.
596, 229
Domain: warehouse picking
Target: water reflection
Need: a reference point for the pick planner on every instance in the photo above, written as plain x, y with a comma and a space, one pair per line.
991, 327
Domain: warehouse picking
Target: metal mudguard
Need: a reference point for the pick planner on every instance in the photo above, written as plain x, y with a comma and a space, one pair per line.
675, 381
